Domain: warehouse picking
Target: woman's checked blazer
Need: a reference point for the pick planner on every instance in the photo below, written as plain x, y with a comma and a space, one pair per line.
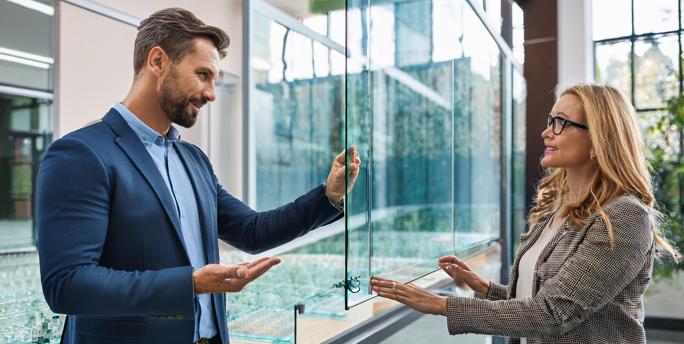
583, 291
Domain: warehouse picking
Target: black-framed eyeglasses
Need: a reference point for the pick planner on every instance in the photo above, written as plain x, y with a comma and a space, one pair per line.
559, 124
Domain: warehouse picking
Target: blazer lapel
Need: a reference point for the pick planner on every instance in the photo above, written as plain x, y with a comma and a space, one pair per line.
204, 207
130, 143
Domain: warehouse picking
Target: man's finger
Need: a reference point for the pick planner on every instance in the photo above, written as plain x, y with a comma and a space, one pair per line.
256, 262
234, 272
263, 266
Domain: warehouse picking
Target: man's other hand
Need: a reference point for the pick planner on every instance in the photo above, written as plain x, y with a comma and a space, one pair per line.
215, 278
336, 189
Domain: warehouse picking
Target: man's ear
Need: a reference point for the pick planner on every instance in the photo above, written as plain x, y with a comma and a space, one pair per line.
157, 61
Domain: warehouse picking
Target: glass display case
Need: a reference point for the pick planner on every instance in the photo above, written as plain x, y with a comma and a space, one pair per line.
433, 102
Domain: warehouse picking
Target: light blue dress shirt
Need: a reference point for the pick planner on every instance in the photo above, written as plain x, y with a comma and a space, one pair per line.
177, 180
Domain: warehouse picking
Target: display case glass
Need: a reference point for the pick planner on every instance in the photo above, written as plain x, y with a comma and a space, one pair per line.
425, 95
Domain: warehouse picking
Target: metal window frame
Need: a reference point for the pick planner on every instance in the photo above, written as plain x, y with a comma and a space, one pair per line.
633, 38
652, 322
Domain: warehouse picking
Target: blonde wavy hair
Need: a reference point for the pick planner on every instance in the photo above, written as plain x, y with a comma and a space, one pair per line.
622, 165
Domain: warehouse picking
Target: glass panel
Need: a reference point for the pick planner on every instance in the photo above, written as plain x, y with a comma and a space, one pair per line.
263, 310
662, 133
519, 204
26, 44
477, 132
657, 71
611, 19
434, 124
299, 117
655, 16
25, 131
412, 140
613, 65
357, 211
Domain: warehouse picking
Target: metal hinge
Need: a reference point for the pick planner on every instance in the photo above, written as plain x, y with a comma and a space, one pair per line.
353, 284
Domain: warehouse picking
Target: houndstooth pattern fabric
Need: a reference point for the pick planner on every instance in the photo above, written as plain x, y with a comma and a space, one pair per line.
584, 292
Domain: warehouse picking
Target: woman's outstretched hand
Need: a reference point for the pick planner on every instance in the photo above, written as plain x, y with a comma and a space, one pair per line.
413, 296
463, 275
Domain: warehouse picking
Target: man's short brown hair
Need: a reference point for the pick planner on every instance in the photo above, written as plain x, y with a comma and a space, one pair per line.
174, 30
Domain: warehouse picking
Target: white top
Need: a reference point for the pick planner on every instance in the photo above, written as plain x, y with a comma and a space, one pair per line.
528, 263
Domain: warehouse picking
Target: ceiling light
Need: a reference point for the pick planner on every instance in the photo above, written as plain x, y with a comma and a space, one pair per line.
36, 6
22, 54
24, 61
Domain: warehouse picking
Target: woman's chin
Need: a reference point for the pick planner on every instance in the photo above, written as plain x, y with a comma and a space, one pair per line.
546, 163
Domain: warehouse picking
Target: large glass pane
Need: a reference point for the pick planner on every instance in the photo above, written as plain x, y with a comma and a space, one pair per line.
25, 131
477, 132
656, 72
412, 143
26, 43
433, 123
611, 18
655, 16
519, 204
613, 65
358, 131
299, 117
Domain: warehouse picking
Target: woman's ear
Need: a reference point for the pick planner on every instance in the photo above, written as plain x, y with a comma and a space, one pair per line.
592, 153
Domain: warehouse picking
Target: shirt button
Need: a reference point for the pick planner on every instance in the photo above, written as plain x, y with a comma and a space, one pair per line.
179, 317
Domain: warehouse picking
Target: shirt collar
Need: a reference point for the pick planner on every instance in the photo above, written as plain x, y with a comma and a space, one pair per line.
144, 132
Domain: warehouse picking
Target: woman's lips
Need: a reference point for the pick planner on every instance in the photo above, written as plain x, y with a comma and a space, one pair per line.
549, 151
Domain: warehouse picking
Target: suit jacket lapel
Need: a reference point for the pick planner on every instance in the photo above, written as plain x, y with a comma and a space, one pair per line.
209, 235
130, 143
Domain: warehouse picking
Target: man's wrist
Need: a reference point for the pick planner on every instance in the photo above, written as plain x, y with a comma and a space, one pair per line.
337, 202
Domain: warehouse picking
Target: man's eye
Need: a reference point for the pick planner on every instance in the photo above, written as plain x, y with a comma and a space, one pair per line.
204, 75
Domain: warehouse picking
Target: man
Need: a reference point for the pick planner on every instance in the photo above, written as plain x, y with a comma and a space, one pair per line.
129, 215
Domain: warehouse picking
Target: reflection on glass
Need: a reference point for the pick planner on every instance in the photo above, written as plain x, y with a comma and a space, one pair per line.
613, 65
299, 117
655, 16
26, 45
611, 19
657, 71
25, 128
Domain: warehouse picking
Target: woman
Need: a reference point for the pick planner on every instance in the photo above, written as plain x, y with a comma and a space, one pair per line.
581, 270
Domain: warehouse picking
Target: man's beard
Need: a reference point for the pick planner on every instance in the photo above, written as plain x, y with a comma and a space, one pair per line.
175, 104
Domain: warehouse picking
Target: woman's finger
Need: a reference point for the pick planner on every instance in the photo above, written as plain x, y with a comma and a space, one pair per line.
388, 291
462, 264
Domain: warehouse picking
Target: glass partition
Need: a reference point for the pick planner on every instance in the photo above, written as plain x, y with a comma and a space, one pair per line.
425, 111
25, 131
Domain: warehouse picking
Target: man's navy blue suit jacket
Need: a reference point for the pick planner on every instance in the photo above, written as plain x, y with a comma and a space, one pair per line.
111, 251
